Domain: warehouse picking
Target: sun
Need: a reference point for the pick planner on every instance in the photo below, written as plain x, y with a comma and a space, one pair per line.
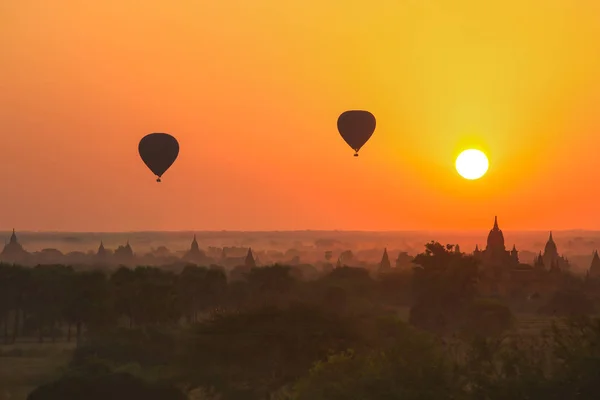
472, 164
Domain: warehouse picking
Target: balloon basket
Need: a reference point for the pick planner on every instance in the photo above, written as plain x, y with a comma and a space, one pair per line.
158, 180
355, 154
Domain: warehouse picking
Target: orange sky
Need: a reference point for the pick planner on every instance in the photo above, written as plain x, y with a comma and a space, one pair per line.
252, 91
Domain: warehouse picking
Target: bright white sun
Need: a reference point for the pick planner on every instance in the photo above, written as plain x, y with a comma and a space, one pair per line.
472, 164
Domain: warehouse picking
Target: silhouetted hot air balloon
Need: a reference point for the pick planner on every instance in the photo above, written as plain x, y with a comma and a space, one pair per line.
356, 128
158, 151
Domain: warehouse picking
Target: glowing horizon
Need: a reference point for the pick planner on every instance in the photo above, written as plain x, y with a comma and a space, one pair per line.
252, 91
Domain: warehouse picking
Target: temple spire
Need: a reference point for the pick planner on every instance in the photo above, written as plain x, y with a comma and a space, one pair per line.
194, 247
13, 249
594, 271
250, 259
101, 250
385, 261
495, 241
539, 262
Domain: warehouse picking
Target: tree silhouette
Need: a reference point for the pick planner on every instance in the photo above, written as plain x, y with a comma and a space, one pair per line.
444, 286
118, 386
47, 297
89, 302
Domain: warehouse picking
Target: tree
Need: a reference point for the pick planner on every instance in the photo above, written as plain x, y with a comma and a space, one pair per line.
250, 354
47, 296
568, 303
411, 367
88, 302
191, 287
146, 346
156, 300
12, 287
347, 256
576, 347
270, 285
124, 287
444, 286
394, 286
117, 386
199, 289
487, 318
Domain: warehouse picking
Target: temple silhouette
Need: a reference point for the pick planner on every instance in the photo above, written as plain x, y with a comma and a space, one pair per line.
501, 272
13, 251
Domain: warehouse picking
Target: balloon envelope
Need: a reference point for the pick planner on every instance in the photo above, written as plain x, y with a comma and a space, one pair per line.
158, 151
356, 127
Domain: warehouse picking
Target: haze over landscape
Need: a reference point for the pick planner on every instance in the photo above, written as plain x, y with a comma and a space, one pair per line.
299, 200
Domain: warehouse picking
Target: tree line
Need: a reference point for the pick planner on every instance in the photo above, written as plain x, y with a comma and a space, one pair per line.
50, 301
273, 335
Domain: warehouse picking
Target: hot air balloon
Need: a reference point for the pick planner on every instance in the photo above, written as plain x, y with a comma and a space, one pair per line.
356, 128
158, 151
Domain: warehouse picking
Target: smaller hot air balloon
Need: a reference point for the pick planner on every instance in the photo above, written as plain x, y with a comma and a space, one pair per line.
356, 128
158, 151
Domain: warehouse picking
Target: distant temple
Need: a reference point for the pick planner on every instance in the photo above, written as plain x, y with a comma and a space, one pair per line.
404, 260
232, 261
496, 261
249, 261
13, 251
195, 255
538, 263
594, 271
124, 254
385, 264
501, 273
101, 253
495, 254
552, 259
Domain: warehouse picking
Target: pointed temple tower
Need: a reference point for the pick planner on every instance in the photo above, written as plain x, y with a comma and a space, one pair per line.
249, 261
594, 271
101, 254
514, 253
384, 264
13, 251
539, 263
194, 254
551, 257
124, 254
495, 254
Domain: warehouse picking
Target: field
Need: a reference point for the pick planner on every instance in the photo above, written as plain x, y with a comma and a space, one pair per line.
24, 366
528, 324
525, 324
